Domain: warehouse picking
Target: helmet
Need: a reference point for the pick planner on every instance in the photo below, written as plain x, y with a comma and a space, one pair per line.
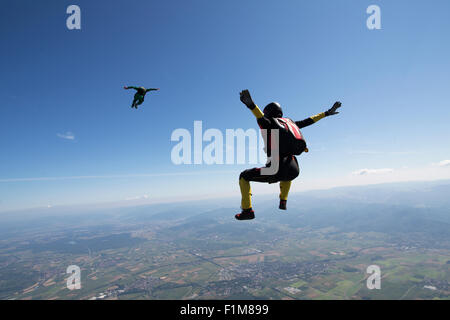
273, 110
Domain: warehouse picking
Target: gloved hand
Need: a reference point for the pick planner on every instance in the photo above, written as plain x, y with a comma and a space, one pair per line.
332, 111
125, 87
246, 99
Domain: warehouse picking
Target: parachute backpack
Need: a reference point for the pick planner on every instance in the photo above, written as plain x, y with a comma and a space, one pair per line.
291, 138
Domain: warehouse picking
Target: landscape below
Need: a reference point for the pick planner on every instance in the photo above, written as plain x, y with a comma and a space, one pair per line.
319, 249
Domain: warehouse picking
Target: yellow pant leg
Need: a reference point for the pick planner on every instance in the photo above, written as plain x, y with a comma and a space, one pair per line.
246, 193
285, 186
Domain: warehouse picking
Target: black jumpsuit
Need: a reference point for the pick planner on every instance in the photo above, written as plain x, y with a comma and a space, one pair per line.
288, 168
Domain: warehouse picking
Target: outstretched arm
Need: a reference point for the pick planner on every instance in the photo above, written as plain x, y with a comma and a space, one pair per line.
311, 120
131, 87
151, 89
246, 99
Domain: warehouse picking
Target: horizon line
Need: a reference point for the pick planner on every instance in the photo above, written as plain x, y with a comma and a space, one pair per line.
134, 202
118, 176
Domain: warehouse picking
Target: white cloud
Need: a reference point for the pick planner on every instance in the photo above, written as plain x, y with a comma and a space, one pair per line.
68, 135
363, 177
444, 163
371, 171
138, 198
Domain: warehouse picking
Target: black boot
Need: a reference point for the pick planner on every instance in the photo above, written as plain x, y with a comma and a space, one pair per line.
246, 214
283, 205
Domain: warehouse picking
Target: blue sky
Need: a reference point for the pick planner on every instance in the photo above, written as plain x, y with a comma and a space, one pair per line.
393, 84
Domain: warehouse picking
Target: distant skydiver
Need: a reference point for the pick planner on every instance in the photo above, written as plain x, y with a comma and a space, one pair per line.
140, 95
290, 143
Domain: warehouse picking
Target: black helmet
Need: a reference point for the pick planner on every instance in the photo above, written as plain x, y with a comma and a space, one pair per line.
273, 110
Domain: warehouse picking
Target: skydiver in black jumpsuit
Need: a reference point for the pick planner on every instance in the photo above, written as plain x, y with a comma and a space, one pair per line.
139, 95
288, 168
